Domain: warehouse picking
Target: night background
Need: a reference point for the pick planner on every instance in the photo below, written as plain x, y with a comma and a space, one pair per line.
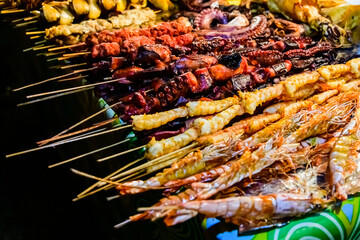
36, 202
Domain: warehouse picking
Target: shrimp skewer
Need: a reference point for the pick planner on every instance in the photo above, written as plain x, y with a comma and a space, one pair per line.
187, 195
202, 160
191, 164
247, 126
274, 206
248, 164
332, 115
344, 157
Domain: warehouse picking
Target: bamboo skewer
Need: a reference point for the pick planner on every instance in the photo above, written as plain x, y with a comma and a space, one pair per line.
73, 65
35, 33
156, 161
93, 177
66, 47
53, 53
44, 142
72, 55
88, 153
73, 78
31, 48
25, 23
86, 119
36, 36
109, 176
70, 89
119, 154
67, 141
52, 96
54, 78
24, 19
132, 172
12, 11
40, 42
41, 48
107, 187
103, 179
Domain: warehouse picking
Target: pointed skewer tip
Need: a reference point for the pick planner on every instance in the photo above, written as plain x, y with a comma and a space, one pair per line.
120, 225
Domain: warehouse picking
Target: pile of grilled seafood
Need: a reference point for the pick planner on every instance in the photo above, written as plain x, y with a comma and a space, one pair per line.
174, 62
243, 115
298, 153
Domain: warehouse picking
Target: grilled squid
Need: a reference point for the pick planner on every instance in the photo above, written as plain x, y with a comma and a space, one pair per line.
218, 122
251, 100
354, 65
151, 121
293, 83
333, 71
162, 147
199, 108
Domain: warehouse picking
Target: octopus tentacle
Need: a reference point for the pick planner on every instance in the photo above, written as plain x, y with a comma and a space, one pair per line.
207, 16
321, 47
265, 57
236, 33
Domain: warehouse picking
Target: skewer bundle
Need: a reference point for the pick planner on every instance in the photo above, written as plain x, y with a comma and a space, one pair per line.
319, 131
240, 109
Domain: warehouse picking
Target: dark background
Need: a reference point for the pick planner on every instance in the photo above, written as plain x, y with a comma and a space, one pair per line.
36, 202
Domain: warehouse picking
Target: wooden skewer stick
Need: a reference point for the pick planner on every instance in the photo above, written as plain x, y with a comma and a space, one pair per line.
25, 23
43, 47
35, 33
76, 54
40, 42
88, 153
54, 78
86, 119
24, 19
31, 48
70, 89
119, 154
156, 161
120, 225
31, 29
43, 142
109, 176
72, 55
12, 11
52, 96
107, 187
67, 141
54, 53
73, 78
36, 36
73, 65
92, 177
31, 18
66, 47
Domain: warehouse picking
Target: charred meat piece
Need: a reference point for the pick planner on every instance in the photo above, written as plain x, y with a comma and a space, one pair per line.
193, 62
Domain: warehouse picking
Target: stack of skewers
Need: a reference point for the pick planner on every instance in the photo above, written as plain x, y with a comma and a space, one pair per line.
234, 106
